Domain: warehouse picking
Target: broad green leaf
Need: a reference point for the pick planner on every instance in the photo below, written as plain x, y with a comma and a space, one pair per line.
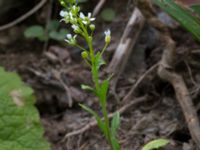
53, 25
35, 31
155, 144
184, 16
115, 123
100, 122
108, 14
20, 127
58, 36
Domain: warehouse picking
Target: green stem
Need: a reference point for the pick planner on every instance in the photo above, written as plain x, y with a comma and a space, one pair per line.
95, 76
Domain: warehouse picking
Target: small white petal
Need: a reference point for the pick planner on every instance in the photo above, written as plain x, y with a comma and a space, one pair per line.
92, 19
75, 27
63, 13
89, 14
107, 32
67, 41
69, 36
74, 37
82, 16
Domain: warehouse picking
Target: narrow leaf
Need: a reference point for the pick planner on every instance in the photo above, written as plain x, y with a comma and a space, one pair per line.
102, 93
115, 123
100, 122
155, 144
184, 16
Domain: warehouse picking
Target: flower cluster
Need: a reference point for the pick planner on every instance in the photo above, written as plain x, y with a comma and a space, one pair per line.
80, 23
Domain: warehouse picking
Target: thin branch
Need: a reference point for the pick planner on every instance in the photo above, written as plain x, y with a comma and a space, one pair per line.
23, 17
93, 123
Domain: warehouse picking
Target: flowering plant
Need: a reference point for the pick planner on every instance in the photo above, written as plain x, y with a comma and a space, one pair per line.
82, 26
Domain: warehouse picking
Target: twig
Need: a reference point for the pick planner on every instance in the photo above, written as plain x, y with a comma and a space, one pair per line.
23, 17
98, 7
165, 71
57, 75
93, 123
132, 90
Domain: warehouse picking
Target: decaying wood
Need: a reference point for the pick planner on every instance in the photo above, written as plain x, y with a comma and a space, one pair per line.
125, 46
165, 71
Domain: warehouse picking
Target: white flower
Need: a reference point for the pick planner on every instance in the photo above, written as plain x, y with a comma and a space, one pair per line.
69, 36
76, 28
71, 40
82, 16
63, 13
107, 32
88, 19
107, 36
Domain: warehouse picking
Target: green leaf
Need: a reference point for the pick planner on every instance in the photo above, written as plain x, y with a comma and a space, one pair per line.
86, 87
115, 123
20, 127
115, 143
100, 122
99, 60
58, 36
196, 8
114, 126
35, 31
102, 93
184, 16
108, 14
53, 25
155, 144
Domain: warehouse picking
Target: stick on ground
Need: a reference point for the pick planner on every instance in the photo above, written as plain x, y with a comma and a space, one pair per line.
125, 46
93, 123
23, 17
165, 71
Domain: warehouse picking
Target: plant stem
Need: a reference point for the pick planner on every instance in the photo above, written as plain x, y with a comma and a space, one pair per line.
95, 77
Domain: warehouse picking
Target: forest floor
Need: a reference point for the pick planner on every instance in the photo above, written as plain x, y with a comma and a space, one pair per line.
150, 112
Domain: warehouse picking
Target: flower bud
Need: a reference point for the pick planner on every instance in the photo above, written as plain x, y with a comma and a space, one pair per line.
108, 39
92, 27
84, 54
107, 36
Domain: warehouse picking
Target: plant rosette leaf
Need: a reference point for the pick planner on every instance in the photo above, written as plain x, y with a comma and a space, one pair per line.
35, 31
108, 14
20, 127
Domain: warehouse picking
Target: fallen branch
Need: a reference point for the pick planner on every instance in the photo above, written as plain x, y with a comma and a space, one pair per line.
165, 71
23, 17
125, 46
93, 123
